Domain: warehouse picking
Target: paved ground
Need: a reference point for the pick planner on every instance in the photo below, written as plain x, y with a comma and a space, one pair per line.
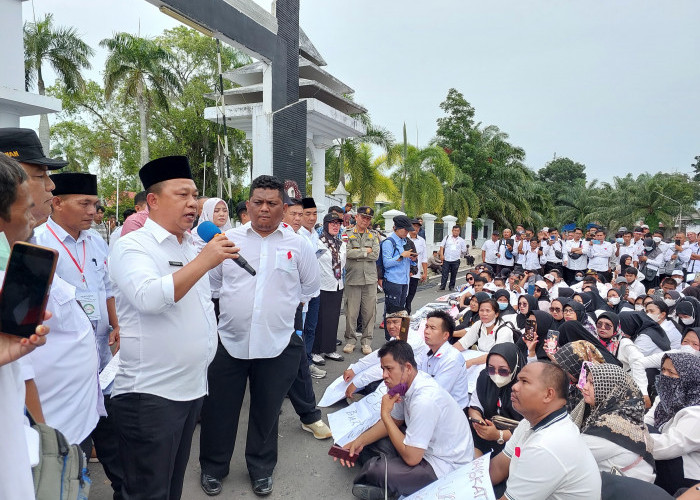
304, 469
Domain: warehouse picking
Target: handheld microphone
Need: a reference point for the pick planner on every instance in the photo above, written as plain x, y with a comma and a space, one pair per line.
207, 230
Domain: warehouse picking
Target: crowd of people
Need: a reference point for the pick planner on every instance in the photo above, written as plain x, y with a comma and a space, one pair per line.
583, 349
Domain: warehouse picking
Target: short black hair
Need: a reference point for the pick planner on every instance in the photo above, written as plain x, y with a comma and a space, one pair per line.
335, 208
100, 208
267, 182
631, 270
140, 198
600, 230
400, 350
480, 279
627, 232
11, 176
555, 377
127, 213
670, 281
448, 322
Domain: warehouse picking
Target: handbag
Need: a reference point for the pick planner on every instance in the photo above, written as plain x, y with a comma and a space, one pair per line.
503, 423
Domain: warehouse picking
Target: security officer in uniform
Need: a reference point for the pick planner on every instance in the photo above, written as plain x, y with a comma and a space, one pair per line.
361, 280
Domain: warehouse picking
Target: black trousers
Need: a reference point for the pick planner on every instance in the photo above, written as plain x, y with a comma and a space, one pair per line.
328, 318
155, 436
381, 459
270, 379
670, 475
412, 286
302, 396
106, 440
449, 269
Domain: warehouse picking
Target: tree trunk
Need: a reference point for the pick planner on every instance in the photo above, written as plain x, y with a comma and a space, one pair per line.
44, 133
143, 122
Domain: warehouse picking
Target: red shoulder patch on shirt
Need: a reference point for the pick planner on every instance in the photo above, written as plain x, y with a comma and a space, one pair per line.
517, 451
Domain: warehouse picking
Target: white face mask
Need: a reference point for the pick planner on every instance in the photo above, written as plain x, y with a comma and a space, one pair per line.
678, 280
579, 278
500, 380
639, 307
654, 317
687, 321
656, 239
488, 325
648, 249
670, 302
614, 300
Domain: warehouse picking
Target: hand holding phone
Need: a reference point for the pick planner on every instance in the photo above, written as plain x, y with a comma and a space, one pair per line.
476, 421
343, 454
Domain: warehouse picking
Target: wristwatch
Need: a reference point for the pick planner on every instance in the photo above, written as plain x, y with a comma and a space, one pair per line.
500, 438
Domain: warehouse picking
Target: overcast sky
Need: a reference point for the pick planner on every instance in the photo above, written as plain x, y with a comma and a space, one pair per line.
613, 84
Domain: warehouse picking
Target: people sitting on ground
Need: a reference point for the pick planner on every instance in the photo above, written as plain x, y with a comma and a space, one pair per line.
436, 439
646, 334
611, 419
469, 316
485, 333
675, 415
570, 357
435, 263
492, 398
546, 457
658, 311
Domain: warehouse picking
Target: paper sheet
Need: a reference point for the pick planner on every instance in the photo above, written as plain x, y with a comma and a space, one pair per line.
348, 423
109, 372
473, 371
334, 393
469, 482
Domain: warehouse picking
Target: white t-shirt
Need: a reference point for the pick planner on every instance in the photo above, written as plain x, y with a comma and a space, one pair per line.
680, 437
551, 461
449, 370
435, 423
421, 250
479, 334
490, 248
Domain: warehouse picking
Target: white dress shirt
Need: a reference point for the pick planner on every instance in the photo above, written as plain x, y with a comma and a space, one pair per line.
312, 237
116, 234
531, 260
579, 264
65, 369
680, 437
502, 247
549, 251
449, 370
421, 250
83, 264
608, 455
257, 312
630, 250
599, 255
454, 247
166, 346
490, 249
486, 338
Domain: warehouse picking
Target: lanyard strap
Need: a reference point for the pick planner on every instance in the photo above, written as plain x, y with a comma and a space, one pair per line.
81, 269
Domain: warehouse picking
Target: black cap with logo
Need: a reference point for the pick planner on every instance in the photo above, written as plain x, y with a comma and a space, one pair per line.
23, 145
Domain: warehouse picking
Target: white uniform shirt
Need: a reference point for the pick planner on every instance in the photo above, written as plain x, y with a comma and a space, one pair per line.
551, 461
449, 370
599, 255
116, 234
680, 437
491, 249
65, 369
435, 423
579, 264
630, 250
502, 247
312, 236
454, 247
608, 455
257, 312
693, 266
479, 334
549, 251
421, 250
674, 336
531, 259
166, 346
93, 278
636, 289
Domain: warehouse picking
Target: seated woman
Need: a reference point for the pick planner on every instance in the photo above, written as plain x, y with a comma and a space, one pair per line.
688, 313
571, 357
658, 311
492, 397
469, 316
611, 419
675, 414
575, 311
534, 347
615, 303
556, 310
646, 334
485, 333
526, 303
502, 296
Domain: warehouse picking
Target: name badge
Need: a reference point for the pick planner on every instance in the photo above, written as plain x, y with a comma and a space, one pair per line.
175, 263
90, 304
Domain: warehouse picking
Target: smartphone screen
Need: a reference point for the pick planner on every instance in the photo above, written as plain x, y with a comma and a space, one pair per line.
25, 289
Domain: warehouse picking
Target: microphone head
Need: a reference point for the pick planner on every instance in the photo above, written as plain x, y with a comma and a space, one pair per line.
207, 230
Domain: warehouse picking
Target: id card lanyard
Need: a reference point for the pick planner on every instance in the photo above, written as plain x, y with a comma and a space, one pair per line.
80, 268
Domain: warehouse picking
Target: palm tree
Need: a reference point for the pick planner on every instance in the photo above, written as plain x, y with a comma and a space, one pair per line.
366, 179
65, 52
138, 66
581, 202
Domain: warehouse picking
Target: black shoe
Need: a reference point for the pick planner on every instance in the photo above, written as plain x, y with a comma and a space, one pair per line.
367, 492
210, 484
262, 487
441, 288
338, 342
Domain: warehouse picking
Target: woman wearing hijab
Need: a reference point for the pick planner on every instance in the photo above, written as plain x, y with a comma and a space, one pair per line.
658, 311
615, 303
556, 310
646, 334
502, 296
611, 419
470, 316
625, 262
688, 313
575, 311
332, 263
570, 358
492, 397
214, 210
526, 303
675, 414
534, 349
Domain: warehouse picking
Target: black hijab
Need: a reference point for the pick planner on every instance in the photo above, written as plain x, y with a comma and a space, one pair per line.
691, 307
636, 323
579, 309
489, 393
532, 306
501, 292
566, 292
545, 322
557, 322
571, 331
470, 317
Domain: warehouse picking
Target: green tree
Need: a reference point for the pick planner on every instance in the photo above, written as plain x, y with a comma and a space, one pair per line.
139, 66
696, 169
559, 172
580, 202
64, 51
366, 179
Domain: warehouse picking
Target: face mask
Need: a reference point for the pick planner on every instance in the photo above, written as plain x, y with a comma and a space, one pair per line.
4, 251
500, 380
488, 325
670, 302
678, 280
639, 307
669, 390
579, 278
687, 321
614, 300
620, 241
502, 306
648, 249
654, 317
656, 239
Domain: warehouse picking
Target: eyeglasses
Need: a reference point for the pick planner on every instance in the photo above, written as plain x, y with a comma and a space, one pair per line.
604, 326
569, 311
335, 222
555, 309
470, 279
502, 371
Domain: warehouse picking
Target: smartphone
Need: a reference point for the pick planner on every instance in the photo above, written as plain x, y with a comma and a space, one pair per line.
678, 243
553, 238
405, 326
551, 342
476, 421
529, 329
399, 389
623, 290
25, 289
339, 452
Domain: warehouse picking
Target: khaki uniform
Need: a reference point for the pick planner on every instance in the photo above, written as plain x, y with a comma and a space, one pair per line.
361, 284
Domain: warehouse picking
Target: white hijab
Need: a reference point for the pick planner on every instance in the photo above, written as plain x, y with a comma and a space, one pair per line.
208, 215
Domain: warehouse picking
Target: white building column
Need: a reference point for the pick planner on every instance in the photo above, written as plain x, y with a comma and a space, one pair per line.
468, 231
389, 219
316, 150
262, 142
448, 223
429, 226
